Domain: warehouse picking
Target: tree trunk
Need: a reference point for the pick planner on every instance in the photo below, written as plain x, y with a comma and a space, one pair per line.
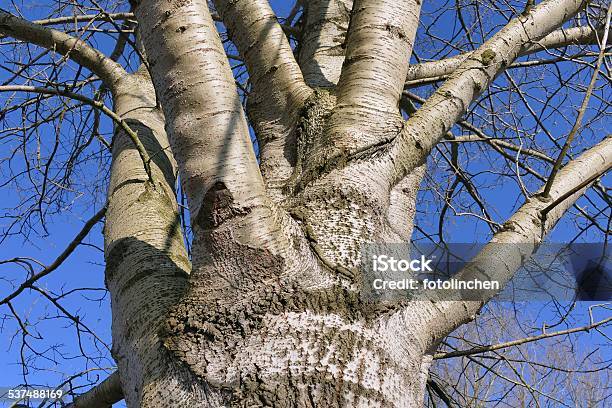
271, 313
300, 338
146, 261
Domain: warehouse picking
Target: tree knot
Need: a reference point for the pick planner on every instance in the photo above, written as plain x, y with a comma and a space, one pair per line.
487, 57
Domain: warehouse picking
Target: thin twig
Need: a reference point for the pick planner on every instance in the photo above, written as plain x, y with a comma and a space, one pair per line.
146, 160
484, 349
581, 111
61, 258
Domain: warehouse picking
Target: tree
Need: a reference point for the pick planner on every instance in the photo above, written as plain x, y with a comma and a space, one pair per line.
265, 309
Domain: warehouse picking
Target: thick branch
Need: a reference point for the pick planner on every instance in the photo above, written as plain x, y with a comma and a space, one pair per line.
322, 46
103, 395
556, 39
379, 45
444, 108
189, 69
366, 112
278, 88
147, 264
275, 75
78, 50
523, 232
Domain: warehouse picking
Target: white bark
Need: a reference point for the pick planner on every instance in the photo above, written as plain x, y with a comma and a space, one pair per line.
146, 261
103, 395
322, 46
272, 315
380, 41
556, 39
190, 70
278, 88
526, 228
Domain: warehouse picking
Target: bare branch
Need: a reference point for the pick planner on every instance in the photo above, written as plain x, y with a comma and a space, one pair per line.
60, 259
322, 44
581, 110
145, 256
189, 69
278, 88
289, 30
277, 80
146, 160
78, 50
524, 231
427, 71
444, 108
379, 45
103, 395
85, 18
492, 347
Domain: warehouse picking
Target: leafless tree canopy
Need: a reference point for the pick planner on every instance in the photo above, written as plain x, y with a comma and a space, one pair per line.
207, 174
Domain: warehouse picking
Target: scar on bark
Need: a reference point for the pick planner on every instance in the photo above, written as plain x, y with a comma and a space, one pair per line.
217, 207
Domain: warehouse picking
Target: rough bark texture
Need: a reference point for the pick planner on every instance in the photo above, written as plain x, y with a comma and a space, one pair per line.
271, 315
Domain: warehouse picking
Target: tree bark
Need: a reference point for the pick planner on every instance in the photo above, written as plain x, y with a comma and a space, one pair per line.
445, 107
278, 88
103, 395
272, 314
323, 42
269, 311
146, 261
